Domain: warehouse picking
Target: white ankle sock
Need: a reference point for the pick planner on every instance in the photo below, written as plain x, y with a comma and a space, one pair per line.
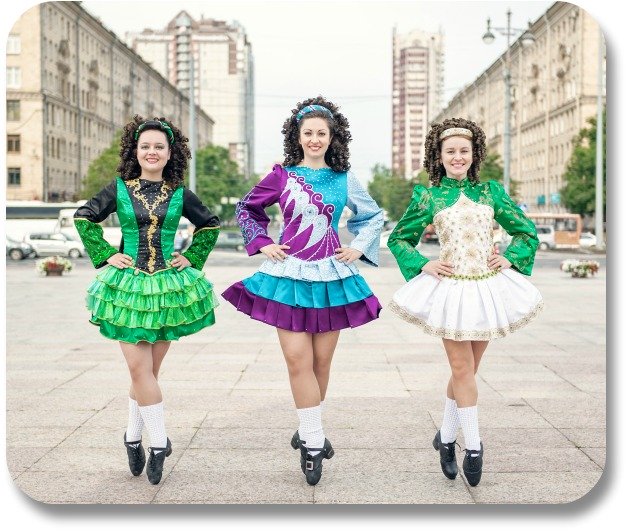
470, 427
311, 427
451, 422
135, 424
153, 416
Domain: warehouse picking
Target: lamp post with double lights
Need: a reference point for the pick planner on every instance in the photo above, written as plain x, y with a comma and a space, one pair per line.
527, 39
185, 60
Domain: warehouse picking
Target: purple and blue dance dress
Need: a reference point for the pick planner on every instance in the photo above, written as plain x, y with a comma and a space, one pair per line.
310, 291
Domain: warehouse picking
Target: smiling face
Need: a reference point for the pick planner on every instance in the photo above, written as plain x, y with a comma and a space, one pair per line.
153, 153
314, 138
456, 155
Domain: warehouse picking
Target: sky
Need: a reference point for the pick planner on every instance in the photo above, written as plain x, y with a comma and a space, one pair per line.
343, 52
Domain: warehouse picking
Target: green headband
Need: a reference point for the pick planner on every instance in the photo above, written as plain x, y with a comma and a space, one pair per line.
158, 125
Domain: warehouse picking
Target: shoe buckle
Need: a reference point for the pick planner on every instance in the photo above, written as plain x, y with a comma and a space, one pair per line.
309, 465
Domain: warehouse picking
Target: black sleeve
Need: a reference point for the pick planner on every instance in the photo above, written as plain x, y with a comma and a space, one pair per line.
198, 214
99, 207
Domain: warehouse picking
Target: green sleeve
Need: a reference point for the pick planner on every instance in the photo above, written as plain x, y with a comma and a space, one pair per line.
95, 244
524, 242
203, 242
407, 234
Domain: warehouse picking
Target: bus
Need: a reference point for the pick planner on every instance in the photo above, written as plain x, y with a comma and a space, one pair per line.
567, 227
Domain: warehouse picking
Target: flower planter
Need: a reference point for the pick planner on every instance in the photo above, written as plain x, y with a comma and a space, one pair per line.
54, 271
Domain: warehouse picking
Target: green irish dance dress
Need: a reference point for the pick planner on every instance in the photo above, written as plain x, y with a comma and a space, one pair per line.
151, 301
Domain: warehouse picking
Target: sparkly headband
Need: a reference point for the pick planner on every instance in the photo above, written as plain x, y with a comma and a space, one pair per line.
455, 131
312, 108
163, 125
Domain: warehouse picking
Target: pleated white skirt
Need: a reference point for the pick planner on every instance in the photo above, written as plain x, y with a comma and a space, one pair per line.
468, 309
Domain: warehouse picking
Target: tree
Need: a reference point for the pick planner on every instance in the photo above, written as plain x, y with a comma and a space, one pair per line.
492, 170
390, 191
578, 194
102, 169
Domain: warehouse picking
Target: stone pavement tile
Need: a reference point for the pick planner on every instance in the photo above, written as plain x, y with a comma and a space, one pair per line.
183, 398
362, 486
172, 383
93, 487
585, 437
589, 413
36, 437
216, 462
174, 418
245, 487
524, 458
503, 415
256, 438
241, 418
41, 418
61, 400
537, 389
262, 381
528, 437
111, 437
21, 458
597, 455
419, 437
534, 487
382, 461
81, 460
259, 394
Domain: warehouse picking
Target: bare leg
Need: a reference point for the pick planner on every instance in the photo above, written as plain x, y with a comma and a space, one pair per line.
143, 382
298, 352
478, 348
324, 346
159, 350
461, 361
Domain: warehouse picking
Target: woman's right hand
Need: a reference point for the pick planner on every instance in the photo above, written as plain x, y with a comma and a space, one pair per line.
121, 261
437, 268
275, 252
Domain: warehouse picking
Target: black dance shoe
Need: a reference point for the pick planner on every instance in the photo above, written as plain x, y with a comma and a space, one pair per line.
472, 465
312, 465
295, 442
447, 456
136, 455
155, 466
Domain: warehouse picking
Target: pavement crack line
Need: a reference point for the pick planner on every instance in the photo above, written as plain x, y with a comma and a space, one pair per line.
71, 379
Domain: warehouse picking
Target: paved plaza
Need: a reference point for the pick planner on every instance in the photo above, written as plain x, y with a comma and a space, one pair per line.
230, 414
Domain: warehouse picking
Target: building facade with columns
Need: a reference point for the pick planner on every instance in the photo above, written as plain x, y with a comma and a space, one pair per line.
418, 91
554, 91
71, 84
223, 75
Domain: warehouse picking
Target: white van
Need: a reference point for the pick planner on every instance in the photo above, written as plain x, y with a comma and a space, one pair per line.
546, 237
111, 226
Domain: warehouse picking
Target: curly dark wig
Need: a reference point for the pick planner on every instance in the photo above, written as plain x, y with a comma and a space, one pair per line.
432, 163
129, 167
337, 155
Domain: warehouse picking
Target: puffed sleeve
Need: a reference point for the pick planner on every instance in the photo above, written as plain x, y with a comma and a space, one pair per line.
366, 223
407, 233
251, 215
206, 229
525, 241
87, 218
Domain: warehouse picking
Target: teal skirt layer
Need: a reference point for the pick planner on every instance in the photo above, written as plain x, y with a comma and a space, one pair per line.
308, 294
138, 307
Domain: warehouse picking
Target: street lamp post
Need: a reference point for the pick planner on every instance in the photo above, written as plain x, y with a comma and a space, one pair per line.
527, 39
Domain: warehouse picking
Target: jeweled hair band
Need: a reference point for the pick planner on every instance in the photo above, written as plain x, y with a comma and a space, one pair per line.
164, 126
455, 131
312, 108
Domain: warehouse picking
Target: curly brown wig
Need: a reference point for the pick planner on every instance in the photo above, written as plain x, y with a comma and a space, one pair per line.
337, 155
432, 163
129, 167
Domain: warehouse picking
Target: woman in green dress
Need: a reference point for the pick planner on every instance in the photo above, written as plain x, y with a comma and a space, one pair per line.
148, 294
470, 294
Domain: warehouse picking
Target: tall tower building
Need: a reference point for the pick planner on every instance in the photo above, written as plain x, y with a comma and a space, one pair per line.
418, 89
223, 75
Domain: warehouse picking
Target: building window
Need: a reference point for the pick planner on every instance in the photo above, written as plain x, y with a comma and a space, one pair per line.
13, 110
14, 45
14, 77
14, 176
13, 143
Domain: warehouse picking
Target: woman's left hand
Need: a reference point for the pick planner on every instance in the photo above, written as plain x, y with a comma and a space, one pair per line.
179, 261
347, 254
497, 261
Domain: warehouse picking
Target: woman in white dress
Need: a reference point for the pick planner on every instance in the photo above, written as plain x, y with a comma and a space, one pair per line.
470, 294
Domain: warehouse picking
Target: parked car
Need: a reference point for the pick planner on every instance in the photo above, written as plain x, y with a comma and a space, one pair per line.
429, 235
52, 243
18, 250
588, 239
547, 239
230, 240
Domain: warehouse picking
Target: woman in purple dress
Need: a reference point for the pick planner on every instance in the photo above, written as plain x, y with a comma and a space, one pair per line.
309, 287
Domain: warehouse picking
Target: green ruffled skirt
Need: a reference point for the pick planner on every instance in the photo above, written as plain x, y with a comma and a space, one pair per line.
164, 306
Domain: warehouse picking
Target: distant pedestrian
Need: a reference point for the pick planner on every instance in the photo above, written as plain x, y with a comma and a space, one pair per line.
309, 287
149, 294
470, 294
